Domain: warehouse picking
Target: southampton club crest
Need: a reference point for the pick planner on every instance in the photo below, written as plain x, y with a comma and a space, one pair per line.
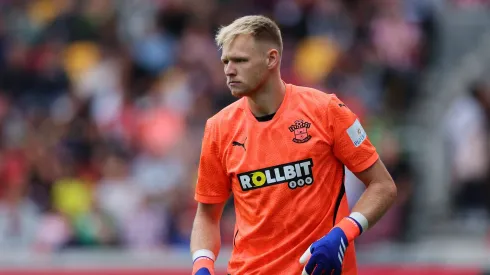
300, 130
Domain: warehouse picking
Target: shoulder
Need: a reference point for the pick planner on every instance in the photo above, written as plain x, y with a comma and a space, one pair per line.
313, 96
320, 102
229, 113
226, 116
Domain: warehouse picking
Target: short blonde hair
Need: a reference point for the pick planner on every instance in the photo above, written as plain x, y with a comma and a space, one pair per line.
260, 27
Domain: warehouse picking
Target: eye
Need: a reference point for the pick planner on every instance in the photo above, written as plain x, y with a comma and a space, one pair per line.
224, 61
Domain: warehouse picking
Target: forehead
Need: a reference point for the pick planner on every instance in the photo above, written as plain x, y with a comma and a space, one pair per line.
243, 44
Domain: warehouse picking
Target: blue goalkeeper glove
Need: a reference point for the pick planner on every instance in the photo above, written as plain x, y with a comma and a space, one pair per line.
327, 254
203, 271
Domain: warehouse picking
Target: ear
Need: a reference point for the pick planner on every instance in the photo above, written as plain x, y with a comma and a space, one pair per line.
273, 58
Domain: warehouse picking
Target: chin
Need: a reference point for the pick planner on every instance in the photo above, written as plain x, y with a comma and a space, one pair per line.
239, 93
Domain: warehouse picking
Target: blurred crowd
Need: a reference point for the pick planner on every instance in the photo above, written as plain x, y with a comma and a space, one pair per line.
467, 146
103, 103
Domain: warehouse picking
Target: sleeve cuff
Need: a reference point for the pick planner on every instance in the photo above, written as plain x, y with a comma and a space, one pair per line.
210, 199
366, 164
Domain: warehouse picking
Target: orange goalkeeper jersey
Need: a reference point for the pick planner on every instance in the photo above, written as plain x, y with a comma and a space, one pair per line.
286, 176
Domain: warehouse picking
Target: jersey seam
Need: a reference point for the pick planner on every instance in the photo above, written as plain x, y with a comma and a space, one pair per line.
209, 199
340, 196
219, 144
332, 137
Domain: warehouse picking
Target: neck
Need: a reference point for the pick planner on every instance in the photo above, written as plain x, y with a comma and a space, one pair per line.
268, 99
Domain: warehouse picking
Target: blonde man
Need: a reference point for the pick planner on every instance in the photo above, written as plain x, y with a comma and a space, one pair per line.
281, 150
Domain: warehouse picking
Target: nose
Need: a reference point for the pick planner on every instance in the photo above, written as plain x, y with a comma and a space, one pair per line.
230, 69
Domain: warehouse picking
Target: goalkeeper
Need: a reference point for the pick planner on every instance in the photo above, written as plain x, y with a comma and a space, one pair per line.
281, 150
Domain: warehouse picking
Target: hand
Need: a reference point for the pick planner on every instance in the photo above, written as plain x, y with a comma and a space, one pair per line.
203, 271
327, 254
203, 266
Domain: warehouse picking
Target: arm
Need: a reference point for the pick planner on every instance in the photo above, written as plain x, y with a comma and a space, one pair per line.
379, 195
352, 147
206, 231
206, 237
212, 190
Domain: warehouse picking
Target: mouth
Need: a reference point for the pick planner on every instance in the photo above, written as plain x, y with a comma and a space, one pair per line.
233, 82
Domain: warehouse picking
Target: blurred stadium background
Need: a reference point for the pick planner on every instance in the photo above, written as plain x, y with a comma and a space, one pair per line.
103, 103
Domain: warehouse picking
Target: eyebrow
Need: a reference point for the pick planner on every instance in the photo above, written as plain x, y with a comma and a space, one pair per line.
234, 57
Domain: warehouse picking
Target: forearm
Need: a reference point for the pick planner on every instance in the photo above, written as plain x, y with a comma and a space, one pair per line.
206, 234
376, 200
206, 238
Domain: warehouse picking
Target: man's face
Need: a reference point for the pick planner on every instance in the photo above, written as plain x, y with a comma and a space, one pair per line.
245, 65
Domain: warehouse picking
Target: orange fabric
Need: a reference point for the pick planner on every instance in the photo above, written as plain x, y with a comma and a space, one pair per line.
350, 228
203, 262
286, 176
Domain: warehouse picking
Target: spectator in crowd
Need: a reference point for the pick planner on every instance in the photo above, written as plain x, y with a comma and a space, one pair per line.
468, 147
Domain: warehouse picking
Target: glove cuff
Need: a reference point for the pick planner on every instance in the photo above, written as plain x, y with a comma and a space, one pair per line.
351, 228
203, 262
203, 253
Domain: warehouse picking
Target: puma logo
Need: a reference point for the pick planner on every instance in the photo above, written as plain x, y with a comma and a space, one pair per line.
236, 143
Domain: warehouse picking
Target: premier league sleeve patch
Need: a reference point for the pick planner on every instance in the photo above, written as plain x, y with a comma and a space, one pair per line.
357, 133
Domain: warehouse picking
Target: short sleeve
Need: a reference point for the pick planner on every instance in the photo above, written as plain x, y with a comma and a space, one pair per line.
213, 184
351, 145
